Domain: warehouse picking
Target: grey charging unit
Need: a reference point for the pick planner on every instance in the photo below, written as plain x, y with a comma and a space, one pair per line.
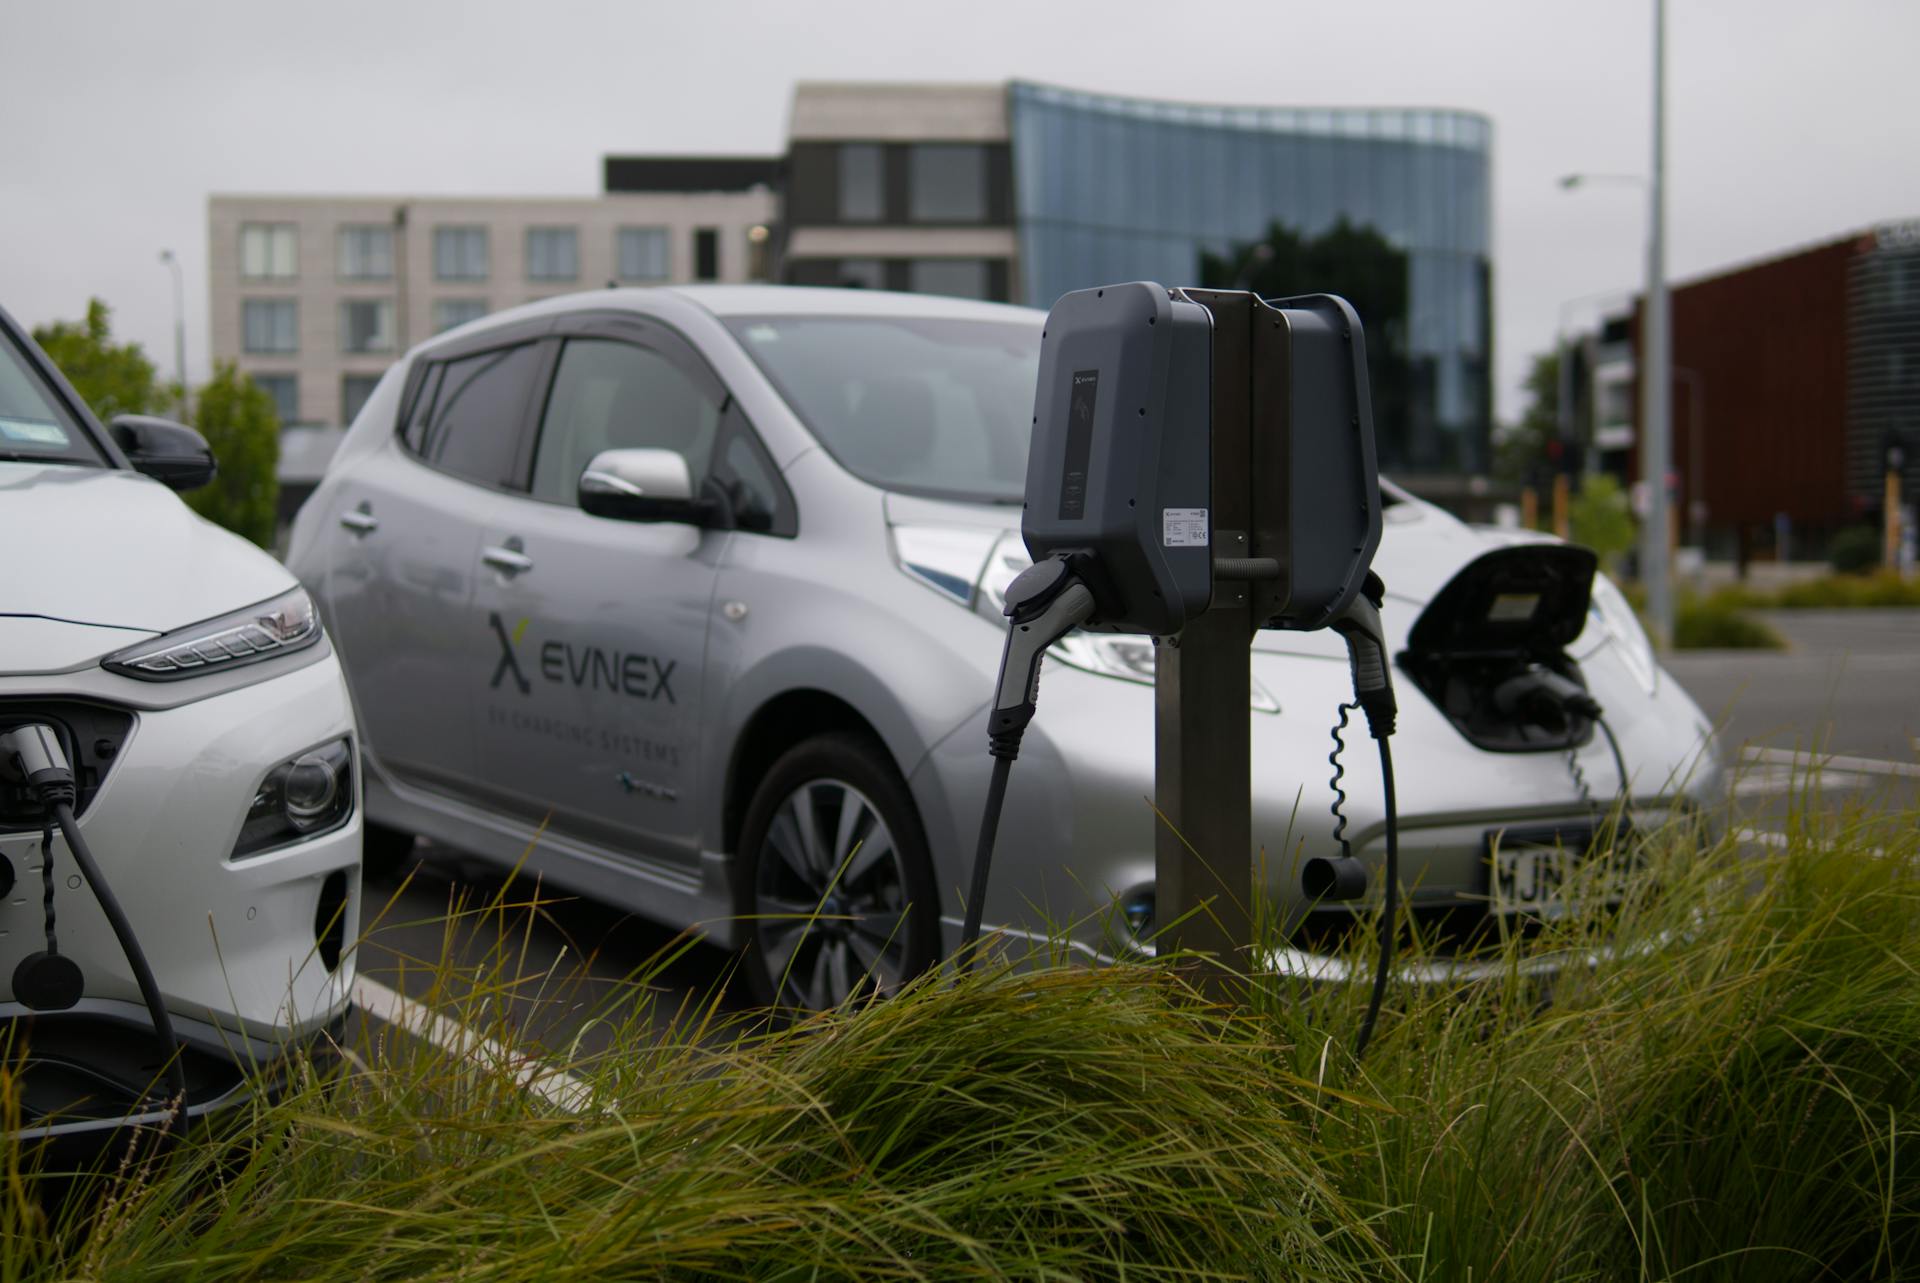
1203, 463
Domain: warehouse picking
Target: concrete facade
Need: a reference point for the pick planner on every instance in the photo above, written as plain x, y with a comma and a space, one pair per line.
319, 364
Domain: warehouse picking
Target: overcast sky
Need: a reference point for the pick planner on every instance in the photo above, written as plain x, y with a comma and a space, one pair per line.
1789, 122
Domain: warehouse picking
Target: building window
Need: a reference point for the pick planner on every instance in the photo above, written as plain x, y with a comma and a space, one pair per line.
449, 312
759, 246
947, 183
958, 277
285, 391
268, 251
270, 325
460, 253
863, 274
366, 253
706, 254
863, 189
553, 254
642, 253
354, 391
366, 325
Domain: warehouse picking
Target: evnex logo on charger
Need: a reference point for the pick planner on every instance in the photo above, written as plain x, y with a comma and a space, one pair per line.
581, 665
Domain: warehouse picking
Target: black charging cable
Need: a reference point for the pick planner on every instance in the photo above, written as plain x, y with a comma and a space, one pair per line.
1345, 878
34, 752
1044, 603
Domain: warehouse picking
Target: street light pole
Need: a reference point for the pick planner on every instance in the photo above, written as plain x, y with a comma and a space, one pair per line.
1656, 393
179, 326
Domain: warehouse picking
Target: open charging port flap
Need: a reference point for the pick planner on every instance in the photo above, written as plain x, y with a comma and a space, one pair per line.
1507, 616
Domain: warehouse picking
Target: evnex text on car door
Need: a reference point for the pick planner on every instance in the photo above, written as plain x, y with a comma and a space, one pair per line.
591, 718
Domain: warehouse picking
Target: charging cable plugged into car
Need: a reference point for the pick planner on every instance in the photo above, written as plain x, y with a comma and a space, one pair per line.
1202, 467
33, 759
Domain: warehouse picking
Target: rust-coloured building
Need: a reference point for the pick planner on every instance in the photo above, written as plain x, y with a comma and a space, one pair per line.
1792, 376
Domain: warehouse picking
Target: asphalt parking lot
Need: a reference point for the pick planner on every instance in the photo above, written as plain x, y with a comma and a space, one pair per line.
1840, 708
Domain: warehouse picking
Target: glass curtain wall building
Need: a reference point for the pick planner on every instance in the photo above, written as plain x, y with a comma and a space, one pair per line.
1398, 201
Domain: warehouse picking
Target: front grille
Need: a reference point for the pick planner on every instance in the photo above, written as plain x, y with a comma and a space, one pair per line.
92, 735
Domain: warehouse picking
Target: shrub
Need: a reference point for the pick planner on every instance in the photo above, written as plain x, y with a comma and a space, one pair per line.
238, 419
1854, 550
1716, 624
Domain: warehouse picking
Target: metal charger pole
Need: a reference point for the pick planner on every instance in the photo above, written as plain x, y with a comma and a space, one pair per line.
1203, 780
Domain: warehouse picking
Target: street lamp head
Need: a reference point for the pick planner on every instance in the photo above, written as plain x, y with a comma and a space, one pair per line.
166, 256
1570, 181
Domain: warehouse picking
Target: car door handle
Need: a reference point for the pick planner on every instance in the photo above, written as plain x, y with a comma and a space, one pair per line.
508, 561
361, 520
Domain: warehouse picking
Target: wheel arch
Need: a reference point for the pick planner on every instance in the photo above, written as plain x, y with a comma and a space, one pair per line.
790, 718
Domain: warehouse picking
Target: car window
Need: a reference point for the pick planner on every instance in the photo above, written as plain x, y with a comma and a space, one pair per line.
33, 423
921, 405
613, 395
477, 415
762, 504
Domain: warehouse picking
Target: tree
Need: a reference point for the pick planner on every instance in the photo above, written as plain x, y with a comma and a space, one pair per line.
112, 378
1363, 267
1601, 518
1533, 446
238, 419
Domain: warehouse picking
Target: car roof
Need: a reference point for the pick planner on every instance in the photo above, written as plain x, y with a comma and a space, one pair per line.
804, 300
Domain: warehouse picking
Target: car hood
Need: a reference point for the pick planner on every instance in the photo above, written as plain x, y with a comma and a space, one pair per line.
1422, 547
116, 550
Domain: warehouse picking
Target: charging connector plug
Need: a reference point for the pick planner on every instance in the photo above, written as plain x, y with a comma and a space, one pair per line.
1359, 626
1044, 603
48, 980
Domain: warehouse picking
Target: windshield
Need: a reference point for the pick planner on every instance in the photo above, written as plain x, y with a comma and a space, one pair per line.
926, 406
33, 425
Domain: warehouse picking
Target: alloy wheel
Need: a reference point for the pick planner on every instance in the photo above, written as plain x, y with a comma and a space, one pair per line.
830, 899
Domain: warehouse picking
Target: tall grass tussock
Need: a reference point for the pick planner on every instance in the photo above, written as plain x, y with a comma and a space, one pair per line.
1718, 1081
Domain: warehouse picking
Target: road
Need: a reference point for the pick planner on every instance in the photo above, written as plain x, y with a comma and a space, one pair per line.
1849, 685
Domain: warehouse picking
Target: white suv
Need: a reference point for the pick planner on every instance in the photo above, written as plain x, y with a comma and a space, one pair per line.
181, 678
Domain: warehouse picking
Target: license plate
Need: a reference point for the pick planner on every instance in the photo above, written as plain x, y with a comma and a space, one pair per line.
1529, 879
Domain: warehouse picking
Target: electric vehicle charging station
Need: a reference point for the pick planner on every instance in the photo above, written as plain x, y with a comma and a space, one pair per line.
1202, 467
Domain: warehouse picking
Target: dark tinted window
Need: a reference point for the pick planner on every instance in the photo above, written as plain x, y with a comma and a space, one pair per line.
477, 416
706, 254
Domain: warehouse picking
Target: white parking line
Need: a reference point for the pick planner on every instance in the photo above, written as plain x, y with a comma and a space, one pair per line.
555, 1086
1821, 762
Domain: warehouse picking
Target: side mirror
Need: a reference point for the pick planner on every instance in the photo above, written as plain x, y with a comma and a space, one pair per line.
171, 453
642, 485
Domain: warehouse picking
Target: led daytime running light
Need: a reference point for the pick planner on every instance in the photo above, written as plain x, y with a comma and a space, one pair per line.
286, 623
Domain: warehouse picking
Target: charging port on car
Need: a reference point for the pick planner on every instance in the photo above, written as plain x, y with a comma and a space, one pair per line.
1490, 649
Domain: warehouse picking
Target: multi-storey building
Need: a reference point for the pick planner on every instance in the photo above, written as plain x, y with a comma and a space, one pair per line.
1023, 192
1796, 380
314, 295
1017, 192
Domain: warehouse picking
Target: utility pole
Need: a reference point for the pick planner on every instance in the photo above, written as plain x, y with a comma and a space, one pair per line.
1656, 392
1896, 459
179, 326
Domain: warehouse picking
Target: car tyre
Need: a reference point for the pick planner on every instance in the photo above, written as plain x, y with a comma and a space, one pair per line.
834, 883
383, 851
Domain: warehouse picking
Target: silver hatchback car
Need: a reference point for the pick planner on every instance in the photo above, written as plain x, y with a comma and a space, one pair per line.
753, 700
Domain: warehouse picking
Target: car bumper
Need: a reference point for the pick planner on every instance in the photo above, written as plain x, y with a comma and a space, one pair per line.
233, 944
1078, 831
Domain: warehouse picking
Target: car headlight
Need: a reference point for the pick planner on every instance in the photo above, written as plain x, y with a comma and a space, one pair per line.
273, 628
1127, 656
1610, 610
302, 797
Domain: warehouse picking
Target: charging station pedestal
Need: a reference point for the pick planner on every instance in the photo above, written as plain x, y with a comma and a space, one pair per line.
1203, 741
1202, 468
